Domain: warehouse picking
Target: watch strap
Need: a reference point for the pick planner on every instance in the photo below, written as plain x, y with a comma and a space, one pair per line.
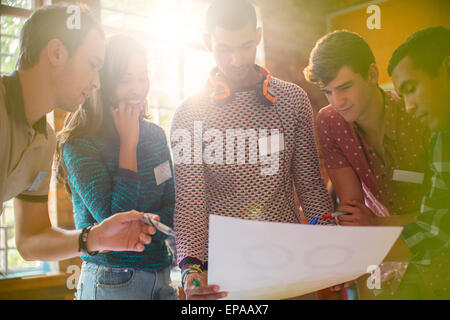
82, 241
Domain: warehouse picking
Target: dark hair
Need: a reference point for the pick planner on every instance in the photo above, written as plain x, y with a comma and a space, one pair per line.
335, 50
48, 23
230, 15
94, 117
426, 48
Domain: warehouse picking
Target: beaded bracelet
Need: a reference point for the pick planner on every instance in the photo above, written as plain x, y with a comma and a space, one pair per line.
190, 269
193, 267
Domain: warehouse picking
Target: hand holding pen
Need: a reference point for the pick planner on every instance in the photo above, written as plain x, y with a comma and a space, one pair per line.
196, 288
351, 213
153, 220
329, 216
359, 214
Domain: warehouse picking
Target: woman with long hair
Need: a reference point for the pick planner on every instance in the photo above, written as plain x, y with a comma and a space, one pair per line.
113, 159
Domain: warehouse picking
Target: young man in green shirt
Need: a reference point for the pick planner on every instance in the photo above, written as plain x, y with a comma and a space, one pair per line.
420, 70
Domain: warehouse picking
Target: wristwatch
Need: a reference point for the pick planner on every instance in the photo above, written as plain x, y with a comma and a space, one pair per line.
82, 242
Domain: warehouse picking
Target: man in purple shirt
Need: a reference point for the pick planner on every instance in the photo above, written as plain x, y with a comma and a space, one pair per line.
366, 135
374, 151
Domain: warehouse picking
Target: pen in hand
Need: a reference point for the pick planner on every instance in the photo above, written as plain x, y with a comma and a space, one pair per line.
328, 216
158, 225
335, 214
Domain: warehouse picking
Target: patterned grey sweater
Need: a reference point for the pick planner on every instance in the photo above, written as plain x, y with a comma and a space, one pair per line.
227, 163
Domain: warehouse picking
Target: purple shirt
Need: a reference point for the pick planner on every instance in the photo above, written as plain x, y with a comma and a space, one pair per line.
386, 190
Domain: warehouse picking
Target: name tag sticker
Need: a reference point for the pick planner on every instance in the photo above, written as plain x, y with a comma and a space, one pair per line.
271, 144
37, 182
163, 173
408, 176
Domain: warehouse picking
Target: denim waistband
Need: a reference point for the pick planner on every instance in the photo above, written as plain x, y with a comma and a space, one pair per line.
93, 267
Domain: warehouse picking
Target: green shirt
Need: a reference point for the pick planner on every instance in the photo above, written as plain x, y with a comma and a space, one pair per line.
429, 235
26, 151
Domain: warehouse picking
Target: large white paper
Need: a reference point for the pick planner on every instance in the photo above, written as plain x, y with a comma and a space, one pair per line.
267, 260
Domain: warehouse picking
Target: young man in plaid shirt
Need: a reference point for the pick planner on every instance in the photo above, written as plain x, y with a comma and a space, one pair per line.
420, 70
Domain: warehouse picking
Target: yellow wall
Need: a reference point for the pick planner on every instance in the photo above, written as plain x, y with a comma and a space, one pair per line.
399, 19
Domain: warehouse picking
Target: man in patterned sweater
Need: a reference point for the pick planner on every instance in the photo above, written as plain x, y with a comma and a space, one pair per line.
240, 146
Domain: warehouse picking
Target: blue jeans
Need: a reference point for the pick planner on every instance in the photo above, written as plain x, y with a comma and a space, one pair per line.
107, 283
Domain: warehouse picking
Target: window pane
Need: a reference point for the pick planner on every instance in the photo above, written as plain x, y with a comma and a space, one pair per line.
112, 18
10, 237
10, 29
7, 218
5, 221
132, 22
165, 76
165, 120
8, 64
2, 239
11, 43
110, 4
24, 4
197, 66
16, 262
2, 262
135, 7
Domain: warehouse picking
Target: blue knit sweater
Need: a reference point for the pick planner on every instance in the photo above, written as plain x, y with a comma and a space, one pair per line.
101, 189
